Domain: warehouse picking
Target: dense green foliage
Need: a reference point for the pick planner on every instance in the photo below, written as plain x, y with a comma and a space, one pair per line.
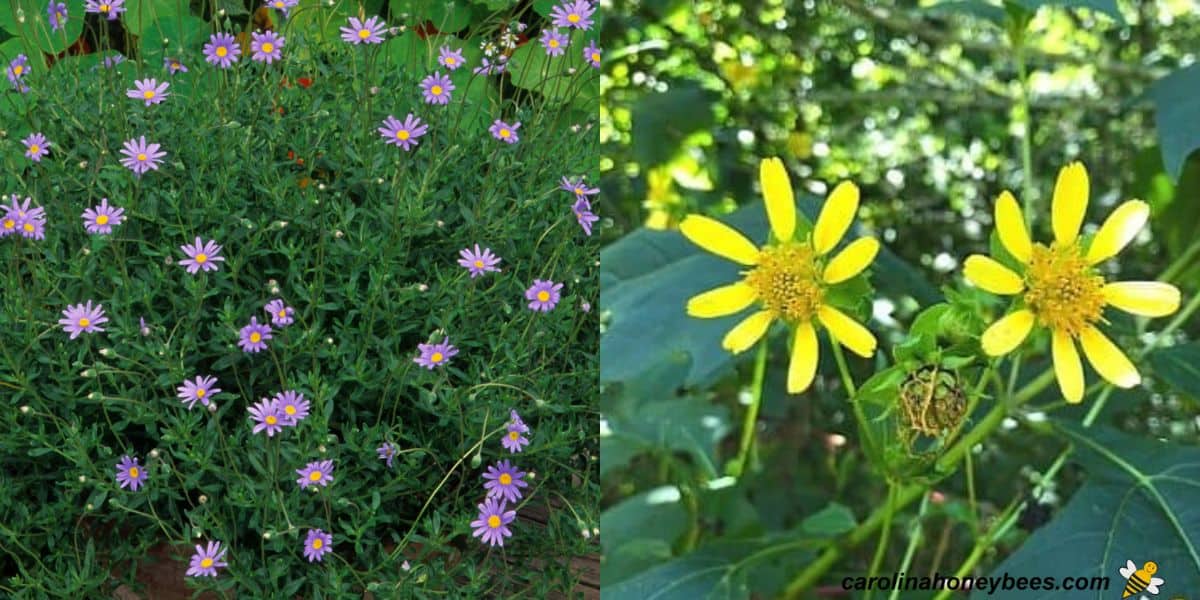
933, 110
362, 238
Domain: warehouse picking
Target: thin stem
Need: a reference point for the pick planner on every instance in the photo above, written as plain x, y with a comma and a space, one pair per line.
997, 531
914, 539
1026, 120
885, 534
843, 369
756, 386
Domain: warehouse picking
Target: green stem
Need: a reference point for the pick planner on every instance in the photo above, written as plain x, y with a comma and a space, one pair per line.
1026, 120
994, 533
847, 380
885, 535
914, 539
751, 419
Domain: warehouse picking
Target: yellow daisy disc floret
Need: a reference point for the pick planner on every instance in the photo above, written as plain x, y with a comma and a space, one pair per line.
1060, 288
787, 278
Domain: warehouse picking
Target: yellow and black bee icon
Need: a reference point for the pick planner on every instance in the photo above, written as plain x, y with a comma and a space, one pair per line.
1139, 580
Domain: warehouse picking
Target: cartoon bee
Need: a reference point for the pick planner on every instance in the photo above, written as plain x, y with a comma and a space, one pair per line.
1137, 579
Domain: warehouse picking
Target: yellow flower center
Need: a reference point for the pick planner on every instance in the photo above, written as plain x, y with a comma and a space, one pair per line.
437, 357
222, 51
175, 65
101, 219
278, 3
595, 57
314, 476
141, 156
543, 296
84, 322
479, 264
283, 314
271, 420
553, 43
364, 33
436, 90
787, 281
256, 337
201, 258
9, 223
206, 563
201, 392
574, 18
17, 70
148, 94
317, 543
402, 134
505, 133
450, 60
133, 472
268, 47
289, 409
1062, 289
104, 8
33, 149
494, 521
513, 435
28, 227
505, 479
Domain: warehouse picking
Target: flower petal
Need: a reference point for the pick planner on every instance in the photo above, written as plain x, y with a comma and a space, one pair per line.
777, 195
1010, 226
1067, 367
750, 330
1145, 298
851, 260
847, 331
836, 216
1118, 230
1107, 359
1006, 334
803, 365
1070, 202
719, 238
722, 301
992, 276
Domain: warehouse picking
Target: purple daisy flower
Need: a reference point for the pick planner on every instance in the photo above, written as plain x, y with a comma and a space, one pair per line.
206, 561
112, 61
435, 355
504, 481
253, 337
20, 218
281, 314
584, 215
36, 147
364, 32
543, 295
129, 473
173, 66
403, 134
493, 521
140, 156
149, 90
201, 256
316, 544
387, 452
267, 47
514, 441
266, 416
109, 8
101, 218
437, 88
505, 132
554, 42
316, 473
222, 50
577, 186
282, 5
83, 318
451, 59
514, 421
479, 263
489, 68
592, 54
56, 15
573, 13
293, 408
199, 390
17, 69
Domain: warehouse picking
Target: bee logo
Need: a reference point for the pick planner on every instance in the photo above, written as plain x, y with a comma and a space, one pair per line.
1137, 580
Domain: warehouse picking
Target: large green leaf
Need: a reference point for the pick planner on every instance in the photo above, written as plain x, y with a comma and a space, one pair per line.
28, 19
662, 121
655, 514
1141, 503
142, 14
1179, 366
446, 15
1177, 116
557, 78
1108, 7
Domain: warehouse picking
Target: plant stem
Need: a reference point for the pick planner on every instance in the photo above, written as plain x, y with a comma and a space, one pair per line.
756, 386
914, 538
1003, 523
885, 535
847, 380
1028, 190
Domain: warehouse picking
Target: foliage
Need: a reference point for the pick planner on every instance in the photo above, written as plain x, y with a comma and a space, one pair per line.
362, 238
932, 109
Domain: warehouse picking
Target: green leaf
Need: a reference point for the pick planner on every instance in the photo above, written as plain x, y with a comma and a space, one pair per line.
723, 570
1179, 366
28, 19
558, 78
973, 8
656, 514
830, 521
1108, 7
1177, 116
662, 121
1139, 504
144, 13
446, 15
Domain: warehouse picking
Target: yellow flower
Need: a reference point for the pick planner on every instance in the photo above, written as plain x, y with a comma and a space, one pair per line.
787, 277
1060, 289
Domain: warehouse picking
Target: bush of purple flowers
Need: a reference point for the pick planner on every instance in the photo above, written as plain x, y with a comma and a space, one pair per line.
310, 301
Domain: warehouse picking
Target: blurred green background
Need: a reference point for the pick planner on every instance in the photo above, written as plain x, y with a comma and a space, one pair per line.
932, 110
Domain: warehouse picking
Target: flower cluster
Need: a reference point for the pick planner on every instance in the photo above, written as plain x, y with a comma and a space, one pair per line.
285, 409
28, 222
583, 205
503, 484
